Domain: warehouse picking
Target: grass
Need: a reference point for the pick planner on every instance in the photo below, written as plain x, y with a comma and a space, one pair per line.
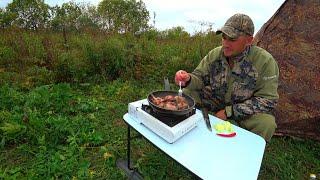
290, 158
66, 131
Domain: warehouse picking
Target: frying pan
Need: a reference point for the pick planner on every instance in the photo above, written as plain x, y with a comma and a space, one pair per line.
161, 110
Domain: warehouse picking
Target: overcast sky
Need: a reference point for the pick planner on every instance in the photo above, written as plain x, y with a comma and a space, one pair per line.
189, 13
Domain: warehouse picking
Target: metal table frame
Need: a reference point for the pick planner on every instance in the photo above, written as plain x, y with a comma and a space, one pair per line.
125, 165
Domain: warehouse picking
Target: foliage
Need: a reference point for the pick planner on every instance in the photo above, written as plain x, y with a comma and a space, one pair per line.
110, 58
54, 119
116, 16
98, 58
89, 18
38, 76
6, 18
61, 105
69, 131
65, 68
66, 16
30, 14
7, 56
175, 33
34, 48
288, 158
57, 126
123, 15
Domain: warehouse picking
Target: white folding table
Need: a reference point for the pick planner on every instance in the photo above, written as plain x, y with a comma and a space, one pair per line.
206, 154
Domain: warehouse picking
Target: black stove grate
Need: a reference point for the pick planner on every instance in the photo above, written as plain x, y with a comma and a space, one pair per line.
170, 120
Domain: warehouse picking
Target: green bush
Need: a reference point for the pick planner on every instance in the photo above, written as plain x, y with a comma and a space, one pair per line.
38, 76
41, 113
93, 56
7, 56
70, 67
11, 103
113, 58
175, 33
56, 98
34, 48
109, 59
10, 98
63, 68
149, 56
152, 34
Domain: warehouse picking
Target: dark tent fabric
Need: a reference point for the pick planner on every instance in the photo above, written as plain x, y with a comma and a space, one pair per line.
292, 36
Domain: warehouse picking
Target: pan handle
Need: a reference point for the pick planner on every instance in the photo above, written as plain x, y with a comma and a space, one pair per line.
166, 84
152, 96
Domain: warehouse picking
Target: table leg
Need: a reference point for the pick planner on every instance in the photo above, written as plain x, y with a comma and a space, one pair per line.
128, 147
126, 164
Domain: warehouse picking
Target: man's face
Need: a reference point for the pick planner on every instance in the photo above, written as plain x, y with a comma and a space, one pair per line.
233, 47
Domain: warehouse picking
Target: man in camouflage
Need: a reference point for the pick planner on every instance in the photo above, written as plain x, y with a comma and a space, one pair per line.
237, 81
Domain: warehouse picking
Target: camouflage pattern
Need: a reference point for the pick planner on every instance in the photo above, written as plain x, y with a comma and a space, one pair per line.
236, 25
253, 106
250, 92
292, 36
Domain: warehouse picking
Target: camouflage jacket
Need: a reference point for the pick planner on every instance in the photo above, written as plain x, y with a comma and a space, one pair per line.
249, 87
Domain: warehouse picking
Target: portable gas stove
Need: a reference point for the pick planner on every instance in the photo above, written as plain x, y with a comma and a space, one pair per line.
170, 128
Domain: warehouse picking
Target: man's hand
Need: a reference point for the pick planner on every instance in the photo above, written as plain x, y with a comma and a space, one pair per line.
221, 114
181, 76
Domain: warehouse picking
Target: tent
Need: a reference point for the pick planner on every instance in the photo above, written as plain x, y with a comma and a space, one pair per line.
292, 36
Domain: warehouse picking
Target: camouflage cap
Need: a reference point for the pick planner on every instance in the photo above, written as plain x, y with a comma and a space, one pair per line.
236, 25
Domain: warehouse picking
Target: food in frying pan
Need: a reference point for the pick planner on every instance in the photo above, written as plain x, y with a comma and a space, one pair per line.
170, 102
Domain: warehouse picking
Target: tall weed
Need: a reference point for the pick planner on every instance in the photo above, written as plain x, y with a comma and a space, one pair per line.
34, 48
7, 56
70, 67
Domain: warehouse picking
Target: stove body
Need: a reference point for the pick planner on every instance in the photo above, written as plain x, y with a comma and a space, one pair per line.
170, 128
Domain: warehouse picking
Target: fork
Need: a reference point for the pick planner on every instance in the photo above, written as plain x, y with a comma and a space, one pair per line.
180, 90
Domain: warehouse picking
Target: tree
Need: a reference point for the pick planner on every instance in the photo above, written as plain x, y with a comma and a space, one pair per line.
89, 18
29, 14
66, 16
175, 33
6, 18
123, 16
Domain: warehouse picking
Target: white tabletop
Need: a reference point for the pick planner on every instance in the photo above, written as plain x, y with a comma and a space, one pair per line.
210, 156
